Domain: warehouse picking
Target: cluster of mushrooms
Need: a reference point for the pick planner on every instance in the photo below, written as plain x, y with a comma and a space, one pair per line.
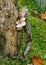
22, 17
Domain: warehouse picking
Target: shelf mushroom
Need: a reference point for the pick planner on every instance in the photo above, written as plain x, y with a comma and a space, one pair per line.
22, 15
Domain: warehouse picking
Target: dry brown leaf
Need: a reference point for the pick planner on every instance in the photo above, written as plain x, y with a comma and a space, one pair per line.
37, 61
43, 16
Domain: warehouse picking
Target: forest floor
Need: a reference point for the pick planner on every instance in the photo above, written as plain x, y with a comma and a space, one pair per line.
38, 29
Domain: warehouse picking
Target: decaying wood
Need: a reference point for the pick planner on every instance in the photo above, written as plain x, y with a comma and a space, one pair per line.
24, 55
29, 42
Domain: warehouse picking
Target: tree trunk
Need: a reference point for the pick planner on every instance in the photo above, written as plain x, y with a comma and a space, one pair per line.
8, 16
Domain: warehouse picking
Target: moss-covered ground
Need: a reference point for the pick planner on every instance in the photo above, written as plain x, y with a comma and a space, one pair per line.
38, 29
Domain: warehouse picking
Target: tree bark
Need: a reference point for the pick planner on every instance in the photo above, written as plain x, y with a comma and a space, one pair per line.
8, 16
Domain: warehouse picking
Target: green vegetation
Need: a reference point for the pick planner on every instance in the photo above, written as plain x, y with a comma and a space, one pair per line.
38, 28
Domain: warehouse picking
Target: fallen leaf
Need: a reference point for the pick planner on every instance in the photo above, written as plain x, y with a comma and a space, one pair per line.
43, 16
37, 61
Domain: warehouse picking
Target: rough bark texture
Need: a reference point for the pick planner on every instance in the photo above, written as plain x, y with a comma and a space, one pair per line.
8, 16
